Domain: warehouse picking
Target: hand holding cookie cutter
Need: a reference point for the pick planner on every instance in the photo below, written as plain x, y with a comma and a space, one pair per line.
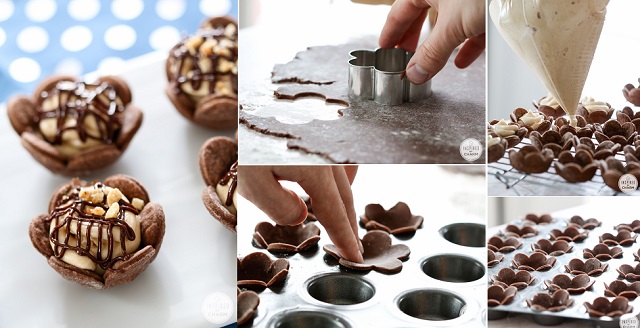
379, 75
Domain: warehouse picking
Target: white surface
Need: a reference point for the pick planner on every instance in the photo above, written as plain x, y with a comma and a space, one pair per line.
513, 85
197, 256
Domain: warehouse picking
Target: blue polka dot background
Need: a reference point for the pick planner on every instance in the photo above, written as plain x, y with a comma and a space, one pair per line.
43, 37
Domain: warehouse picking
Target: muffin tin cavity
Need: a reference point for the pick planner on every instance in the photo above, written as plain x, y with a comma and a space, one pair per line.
465, 234
453, 268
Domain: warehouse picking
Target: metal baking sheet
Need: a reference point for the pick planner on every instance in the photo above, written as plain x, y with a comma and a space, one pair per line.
460, 198
577, 310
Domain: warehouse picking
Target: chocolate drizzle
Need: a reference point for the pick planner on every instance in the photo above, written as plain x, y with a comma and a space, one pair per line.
197, 75
76, 211
232, 178
76, 101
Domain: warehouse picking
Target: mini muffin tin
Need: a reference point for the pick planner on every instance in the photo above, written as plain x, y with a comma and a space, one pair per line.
441, 284
577, 310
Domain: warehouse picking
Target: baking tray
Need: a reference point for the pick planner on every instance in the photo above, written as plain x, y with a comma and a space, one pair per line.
577, 310
294, 300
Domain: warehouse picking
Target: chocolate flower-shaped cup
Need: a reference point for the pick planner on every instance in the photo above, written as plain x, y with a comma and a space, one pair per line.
493, 259
203, 75
379, 254
524, 232
623, 238
217, 160
496, 295
496, 147
538, 220
622, 134
48, 125
247, 305
621, 289
549, 106
569, 234
632, 94
510, 132
588, 224
613, 169
507, 245
602, 252
595, 112
602, 307
604, 149
576, 285
636, 255
530, 159
634, 226
134, 219
560, 301
257, 270
396, 220
532, 121
507, 277
547, 247
552, 140
576, 168
533, 262
627, 115
286, 239
629, 272
592, 267
310, 215
631, 154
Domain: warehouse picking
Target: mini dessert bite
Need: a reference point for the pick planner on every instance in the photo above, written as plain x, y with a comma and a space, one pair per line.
594, 111
496, 147
73, 127
99, 235
218, 166
549, 106
202, 71
532, 121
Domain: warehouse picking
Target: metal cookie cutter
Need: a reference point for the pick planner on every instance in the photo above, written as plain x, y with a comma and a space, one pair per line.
379, 75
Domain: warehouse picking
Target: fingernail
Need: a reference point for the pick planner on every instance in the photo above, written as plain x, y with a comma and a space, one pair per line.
417, 74
361, 247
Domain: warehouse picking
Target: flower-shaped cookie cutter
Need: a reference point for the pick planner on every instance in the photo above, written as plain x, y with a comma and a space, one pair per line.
559, 301
379, 75
576, 285
286, 239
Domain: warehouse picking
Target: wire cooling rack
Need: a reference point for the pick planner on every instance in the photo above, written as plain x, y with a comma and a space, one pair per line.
545, 184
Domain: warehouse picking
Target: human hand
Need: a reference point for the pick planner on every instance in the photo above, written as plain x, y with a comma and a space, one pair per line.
458, 21
329, 188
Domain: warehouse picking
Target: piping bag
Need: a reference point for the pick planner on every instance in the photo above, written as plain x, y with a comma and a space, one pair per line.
556, 38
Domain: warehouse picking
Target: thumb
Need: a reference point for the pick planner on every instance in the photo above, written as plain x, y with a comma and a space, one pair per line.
432, 54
